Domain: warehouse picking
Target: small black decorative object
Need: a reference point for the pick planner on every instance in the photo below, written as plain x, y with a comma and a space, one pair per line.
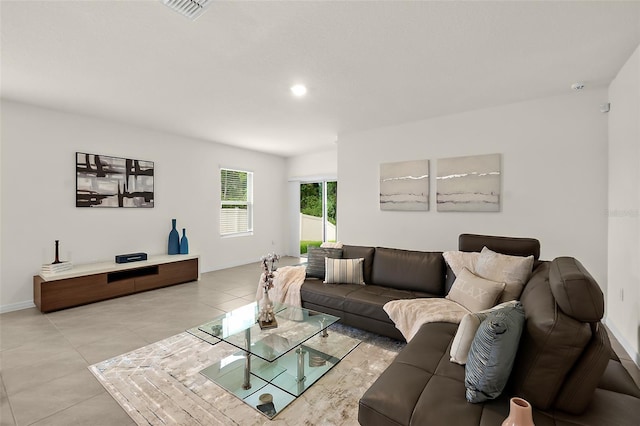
131, 257
57, 253
269, 409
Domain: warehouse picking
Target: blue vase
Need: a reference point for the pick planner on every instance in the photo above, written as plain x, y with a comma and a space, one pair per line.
184, 243
174, 239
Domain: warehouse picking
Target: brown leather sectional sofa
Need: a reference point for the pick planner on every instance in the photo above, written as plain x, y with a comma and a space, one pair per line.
564, 366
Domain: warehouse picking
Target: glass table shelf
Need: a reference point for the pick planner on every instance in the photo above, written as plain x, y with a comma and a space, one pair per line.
277, 364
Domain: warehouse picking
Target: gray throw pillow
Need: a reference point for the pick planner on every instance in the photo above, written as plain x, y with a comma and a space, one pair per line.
492, 353
315, 260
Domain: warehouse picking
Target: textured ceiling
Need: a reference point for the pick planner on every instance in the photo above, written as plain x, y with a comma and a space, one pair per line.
226, 77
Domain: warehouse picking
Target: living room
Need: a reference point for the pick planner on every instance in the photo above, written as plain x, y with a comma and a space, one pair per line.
569, 170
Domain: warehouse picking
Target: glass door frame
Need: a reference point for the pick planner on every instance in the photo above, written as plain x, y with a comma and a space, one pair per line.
325, 218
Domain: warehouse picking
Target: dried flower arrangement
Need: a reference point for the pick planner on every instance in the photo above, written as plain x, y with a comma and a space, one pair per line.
266, 315
268, 265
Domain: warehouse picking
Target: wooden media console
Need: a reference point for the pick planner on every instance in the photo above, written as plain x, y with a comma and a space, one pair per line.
100, 281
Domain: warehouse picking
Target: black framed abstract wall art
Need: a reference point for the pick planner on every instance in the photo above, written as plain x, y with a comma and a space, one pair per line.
103, 181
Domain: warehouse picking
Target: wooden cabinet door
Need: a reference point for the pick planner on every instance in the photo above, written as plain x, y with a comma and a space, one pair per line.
78, 291
169, 274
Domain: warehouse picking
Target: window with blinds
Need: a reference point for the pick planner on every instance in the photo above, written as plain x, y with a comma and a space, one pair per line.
236, 202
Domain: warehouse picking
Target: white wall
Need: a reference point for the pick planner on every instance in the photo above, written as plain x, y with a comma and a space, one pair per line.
38, 197
313, 166
1, 189
623, 305
554, 182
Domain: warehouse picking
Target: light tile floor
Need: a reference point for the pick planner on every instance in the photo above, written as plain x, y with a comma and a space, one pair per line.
44, 378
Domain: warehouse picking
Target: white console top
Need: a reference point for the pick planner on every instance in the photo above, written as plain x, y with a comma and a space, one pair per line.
102, 267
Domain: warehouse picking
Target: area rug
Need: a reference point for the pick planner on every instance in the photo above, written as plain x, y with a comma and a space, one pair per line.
161, 384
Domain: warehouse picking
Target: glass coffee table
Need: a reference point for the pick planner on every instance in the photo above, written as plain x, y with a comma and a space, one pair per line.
274, 366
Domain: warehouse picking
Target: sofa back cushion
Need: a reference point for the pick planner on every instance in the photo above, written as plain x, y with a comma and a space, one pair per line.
409, 270
578, 295
550, 346
513, 246
578, 388
357, 252
316, 259
575, 290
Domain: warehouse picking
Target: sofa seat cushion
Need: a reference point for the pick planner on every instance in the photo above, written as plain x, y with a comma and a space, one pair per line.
429, 351
421, 387
617, 379
368, 301
395, 395
330, 295
606, 408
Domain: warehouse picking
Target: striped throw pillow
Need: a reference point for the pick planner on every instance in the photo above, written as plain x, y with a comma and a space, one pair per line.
344, 271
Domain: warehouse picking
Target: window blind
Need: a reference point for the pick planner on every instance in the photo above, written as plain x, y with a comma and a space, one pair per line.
235, 201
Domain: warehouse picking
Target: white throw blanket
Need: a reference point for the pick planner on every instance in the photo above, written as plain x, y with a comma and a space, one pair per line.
409, 315
287, 281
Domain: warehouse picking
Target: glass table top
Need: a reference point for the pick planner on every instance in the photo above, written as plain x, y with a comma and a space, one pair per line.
239, 328
290, 358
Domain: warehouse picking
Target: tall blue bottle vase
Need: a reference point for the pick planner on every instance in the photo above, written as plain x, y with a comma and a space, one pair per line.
174, 239
184, 242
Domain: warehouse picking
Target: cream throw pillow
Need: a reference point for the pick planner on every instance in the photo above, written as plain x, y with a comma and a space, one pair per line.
343, 271
473, 292
457, 260
512, 270
331, 245
467, 331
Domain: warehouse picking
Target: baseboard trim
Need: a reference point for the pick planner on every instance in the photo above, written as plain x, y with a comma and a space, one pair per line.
17, 306
624, 342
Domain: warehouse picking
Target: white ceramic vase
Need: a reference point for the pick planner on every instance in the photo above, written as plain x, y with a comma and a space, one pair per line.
266, 307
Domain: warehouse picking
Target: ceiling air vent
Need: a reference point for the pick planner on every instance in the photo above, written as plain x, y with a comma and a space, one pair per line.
192, 9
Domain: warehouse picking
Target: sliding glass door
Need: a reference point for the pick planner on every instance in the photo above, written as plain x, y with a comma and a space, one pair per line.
318, 213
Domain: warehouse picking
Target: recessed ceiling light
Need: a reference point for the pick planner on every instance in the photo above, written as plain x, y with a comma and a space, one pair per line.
299, 90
